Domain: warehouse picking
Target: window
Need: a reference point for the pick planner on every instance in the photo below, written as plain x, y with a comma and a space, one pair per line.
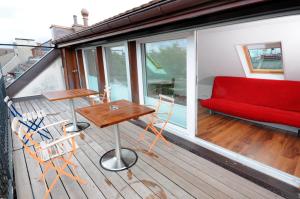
91, 69
264, 58
117, 72
165, 72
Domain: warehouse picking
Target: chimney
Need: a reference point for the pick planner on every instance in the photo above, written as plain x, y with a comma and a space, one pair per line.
85, 15
75, 20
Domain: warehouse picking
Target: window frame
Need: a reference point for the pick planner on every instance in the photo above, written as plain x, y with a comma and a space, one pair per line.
261, 71
191, 36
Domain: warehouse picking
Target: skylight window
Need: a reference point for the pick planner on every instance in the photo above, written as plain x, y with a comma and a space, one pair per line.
264, 58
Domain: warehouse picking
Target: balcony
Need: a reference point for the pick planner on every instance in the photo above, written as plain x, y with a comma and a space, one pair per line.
167, 172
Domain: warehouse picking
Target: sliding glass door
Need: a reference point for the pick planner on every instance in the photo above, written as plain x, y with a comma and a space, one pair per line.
165, 72
90, 68
117, 72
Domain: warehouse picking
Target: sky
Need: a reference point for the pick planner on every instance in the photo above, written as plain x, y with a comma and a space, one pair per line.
31, 19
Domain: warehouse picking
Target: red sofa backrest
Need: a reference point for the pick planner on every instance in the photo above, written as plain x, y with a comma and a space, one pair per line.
280, 94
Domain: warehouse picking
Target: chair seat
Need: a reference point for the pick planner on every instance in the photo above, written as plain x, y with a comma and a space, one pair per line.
253, 112
34, 115
55, 150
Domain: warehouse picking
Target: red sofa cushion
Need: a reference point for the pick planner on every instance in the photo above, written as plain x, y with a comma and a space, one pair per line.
253, 112
278, 94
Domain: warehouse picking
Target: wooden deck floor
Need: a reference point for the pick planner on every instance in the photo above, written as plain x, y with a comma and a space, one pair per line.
169, 172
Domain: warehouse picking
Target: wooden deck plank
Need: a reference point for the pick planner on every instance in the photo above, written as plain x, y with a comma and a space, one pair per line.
111, 176
209, 184
197, 167
70, 187
90, 189
250, 192
58, 190
68, 183
256, 190
22, 180
61, 104
117, 182
168, 173
34, 171
188, 185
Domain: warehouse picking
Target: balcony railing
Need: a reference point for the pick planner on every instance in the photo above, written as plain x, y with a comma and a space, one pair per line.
24, 57
6, 172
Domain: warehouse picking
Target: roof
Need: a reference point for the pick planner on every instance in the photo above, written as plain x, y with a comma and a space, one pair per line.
152, 14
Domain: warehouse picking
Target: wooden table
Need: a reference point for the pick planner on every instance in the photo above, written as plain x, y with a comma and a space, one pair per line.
75, 126
113, 113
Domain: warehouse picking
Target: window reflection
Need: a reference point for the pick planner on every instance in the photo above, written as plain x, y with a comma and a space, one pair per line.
91, 69
116, 72
165, 63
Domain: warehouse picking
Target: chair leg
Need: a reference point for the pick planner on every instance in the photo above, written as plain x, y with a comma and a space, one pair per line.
43, 174
51, 186
160, 135
142, 135
69, 162
164, 139
61, 171
152, 144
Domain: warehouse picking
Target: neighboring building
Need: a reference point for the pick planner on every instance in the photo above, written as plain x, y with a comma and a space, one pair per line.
44, 62
6, 54
59, 31
21, 58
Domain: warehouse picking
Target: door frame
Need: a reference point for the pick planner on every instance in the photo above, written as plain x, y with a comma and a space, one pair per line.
191, 127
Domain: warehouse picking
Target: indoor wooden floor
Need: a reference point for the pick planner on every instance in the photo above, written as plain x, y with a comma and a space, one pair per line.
276, 148
169, 172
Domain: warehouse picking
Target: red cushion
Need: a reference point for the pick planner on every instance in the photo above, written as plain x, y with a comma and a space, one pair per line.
279, 94
253, 112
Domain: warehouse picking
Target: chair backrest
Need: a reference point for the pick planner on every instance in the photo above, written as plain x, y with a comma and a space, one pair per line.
11, 107
16, 128
166, 104
19, 129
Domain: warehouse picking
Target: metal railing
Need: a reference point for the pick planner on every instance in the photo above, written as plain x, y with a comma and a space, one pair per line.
6, 171
25, 57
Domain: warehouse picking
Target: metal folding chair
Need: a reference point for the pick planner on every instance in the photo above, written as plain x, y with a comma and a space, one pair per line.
45, 152
32, 120
159, 119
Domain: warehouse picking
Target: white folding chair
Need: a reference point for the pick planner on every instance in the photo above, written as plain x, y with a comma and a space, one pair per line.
62, 148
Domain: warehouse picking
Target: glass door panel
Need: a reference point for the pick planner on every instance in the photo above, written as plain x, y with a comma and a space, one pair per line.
165, 64
117, 73
90, 67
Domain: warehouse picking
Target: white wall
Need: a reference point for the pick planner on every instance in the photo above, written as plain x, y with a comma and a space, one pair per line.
49, 80
217, 53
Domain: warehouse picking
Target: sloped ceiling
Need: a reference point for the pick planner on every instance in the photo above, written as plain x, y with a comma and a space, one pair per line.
217, 53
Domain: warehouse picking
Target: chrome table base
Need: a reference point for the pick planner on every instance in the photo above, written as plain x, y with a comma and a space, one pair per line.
75, 126
119, 158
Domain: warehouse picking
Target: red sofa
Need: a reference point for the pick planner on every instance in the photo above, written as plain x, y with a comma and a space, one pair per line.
274, 101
